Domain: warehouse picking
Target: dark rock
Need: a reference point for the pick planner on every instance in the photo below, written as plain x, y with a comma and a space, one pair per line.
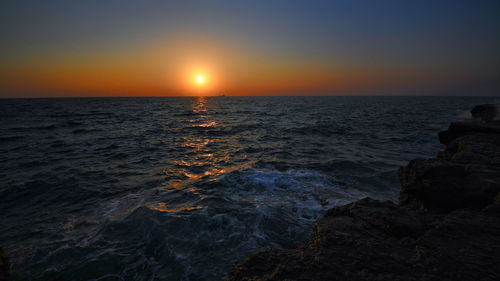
446, 225
4, 266
458, 129
465, 175
486, 112
373, 240
441, 185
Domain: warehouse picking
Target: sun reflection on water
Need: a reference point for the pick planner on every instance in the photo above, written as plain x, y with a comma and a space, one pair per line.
205, 157
162, 207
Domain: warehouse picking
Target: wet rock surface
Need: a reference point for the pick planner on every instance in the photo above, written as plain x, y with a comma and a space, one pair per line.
446, 225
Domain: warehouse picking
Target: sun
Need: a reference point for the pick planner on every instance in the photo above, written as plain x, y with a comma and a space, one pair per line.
200, 79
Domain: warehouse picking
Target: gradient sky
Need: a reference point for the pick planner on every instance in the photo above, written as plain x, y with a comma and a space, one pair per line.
157, 48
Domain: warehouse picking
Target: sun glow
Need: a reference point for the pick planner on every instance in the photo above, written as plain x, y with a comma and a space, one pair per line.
198, 79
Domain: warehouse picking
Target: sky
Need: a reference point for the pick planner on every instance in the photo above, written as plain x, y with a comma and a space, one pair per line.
89, 48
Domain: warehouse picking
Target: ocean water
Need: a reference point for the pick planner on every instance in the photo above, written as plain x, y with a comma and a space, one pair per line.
179, 188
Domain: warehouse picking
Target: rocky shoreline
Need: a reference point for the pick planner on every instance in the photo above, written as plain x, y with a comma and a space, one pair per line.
446, 225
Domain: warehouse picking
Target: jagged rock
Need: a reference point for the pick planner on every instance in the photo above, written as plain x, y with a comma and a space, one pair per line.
4, 266
482, 149
373, 240
445, 186
486, 112
466, 174
446, 225
458, 129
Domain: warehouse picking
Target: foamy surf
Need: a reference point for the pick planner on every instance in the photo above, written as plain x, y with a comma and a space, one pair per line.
237, 213
304, 193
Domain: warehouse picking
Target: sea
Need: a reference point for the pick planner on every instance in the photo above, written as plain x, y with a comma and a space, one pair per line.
181, 188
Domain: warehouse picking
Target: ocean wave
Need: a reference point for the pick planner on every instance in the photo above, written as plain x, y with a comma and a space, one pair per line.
241, 211
326, 129
10, 138
306, 193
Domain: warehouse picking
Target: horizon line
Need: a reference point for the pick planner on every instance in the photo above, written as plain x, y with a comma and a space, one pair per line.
236, 96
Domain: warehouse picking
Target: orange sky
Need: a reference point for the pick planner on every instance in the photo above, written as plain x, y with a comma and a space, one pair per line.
158, 48
169, 68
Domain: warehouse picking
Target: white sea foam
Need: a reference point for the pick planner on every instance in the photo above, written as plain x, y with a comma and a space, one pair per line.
464, 114
306, 193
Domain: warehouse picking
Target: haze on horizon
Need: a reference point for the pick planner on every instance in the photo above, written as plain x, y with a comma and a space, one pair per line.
162, 48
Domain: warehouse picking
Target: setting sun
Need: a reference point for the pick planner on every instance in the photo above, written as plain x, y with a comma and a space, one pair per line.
198, 78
